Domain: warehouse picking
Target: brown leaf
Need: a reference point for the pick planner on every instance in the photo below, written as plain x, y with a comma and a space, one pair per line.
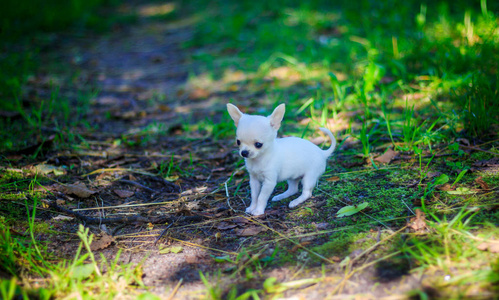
300, 245
164, 108
483, 246
199, 93
418, 223
492, 246
101, 176
387, 157
334, 178
233, 88
225, 226
78, 189
102, 243
463, 141
336, 258
487, 163
482, 183
241, 221
124, 193
249, 231
446, 187
318, 140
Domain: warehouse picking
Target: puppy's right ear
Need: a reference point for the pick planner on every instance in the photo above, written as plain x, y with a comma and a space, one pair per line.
234, 113
276, 116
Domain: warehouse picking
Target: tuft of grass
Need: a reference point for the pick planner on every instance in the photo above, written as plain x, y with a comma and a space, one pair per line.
443, 250
480, 106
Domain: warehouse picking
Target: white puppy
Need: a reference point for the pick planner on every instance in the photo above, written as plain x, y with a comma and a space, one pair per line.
270, 160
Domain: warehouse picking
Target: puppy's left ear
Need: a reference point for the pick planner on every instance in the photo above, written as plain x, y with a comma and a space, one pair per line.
234, 113
276, 116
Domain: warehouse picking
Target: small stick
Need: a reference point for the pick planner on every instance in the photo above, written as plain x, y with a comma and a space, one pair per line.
138, 185
175, 290
162, 233
478, 149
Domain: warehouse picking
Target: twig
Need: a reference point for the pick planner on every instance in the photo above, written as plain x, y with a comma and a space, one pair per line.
175, 290
290, 240
126, 219
469, 235
126, 205
163, 233
370, 249
201, 246
339, 287
117, 169
478, 149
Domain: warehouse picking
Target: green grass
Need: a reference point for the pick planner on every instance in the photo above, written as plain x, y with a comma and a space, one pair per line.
63, 277
446, 53
419, 79
26, 28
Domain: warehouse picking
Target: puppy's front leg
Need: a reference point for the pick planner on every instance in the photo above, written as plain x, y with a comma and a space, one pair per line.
255, 187
265, 192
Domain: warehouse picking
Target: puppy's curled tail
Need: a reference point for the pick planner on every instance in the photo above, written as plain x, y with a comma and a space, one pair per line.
329, 151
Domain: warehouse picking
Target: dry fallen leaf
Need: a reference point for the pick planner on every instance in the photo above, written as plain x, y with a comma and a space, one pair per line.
224, 226
241, 221
492, 246
446, 187
62, 218
482, 183
249, 231
334, 178
171, 249
102, 243
336, 258
300, 245
78, 189
318, 140
47, 169
387, 157
418, 223
124, 193
199, 93
233, 88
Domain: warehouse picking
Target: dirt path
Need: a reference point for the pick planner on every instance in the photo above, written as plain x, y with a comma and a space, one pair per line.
140, 73
137, 122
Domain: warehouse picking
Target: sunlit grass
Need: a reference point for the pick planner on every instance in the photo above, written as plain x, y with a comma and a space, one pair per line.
411, 77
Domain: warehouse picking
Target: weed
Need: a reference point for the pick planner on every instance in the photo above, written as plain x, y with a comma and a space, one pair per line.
410, 130
364, 138
479, 103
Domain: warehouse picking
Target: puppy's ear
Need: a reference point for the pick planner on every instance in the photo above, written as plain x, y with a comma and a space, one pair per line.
276, 116
234, 113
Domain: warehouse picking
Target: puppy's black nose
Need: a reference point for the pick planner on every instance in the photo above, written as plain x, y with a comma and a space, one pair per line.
244, 153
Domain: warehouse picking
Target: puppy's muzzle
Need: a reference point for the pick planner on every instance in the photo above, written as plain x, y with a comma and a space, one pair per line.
245, 153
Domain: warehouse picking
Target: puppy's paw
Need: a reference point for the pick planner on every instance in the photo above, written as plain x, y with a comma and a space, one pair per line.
249, 210
258, 212
277, 198
294, 203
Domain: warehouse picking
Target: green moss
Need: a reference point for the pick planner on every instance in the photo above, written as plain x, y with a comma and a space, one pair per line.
388, 198
343, 243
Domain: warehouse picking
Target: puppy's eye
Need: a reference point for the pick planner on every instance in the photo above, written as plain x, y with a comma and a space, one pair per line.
238, 142
258, 145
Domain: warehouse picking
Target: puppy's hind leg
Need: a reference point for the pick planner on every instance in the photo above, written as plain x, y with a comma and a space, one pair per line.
308, 185
292, 189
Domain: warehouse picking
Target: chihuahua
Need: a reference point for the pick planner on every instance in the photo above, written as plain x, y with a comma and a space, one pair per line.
270, 160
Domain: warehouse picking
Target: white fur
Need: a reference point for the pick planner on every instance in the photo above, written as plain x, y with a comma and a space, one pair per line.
292, 159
